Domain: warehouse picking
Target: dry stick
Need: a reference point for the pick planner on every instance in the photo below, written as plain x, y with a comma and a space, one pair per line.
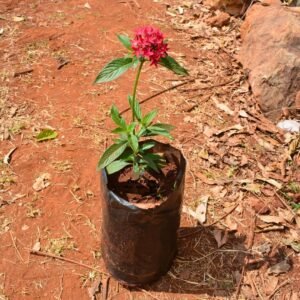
17, 74
106, 288
15, 246
40, 253
209, 225
61, 287
149, 294
159, 93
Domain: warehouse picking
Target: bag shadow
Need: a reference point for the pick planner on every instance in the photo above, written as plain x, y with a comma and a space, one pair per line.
203, 267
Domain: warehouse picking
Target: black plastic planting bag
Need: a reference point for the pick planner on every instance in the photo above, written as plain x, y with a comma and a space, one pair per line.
138, 244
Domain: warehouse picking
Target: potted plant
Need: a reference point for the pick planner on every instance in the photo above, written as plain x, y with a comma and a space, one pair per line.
142, 180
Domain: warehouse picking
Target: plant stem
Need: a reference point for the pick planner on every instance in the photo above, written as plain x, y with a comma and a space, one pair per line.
135, 88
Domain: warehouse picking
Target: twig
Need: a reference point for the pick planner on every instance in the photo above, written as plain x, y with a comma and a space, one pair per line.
40, 253
238, 289
64, 63
61, 287
149, 294
159, 93
279, 287
17, 74
15, 246
106, 288
212, 86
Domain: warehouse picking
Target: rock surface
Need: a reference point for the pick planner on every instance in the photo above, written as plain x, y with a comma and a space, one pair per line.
219, 20
233, 7
271, 53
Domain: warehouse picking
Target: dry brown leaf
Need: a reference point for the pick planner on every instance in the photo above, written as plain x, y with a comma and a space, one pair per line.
200, 213
267, 228
286, 215
230, 223
263, 249
243, 114
203, 153
202, 209
273, 182
282, 267
271, 219
252, 187
223, 107
237, 127
265, 144
204, 179
293, 146
221, 237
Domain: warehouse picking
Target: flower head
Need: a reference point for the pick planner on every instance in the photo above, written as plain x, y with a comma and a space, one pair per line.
149, 43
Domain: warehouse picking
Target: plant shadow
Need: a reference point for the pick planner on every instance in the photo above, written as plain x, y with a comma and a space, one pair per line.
201, 267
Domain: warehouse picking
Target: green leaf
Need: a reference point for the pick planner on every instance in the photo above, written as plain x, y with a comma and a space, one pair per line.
46, 134
164, 126
131, 127
111, 154
116, 166
149, 118
152, 160
125, 40
142, 132
133, 143
135, 107
171, 64
119, 130
115, 115
160, 129
114, 69
152, 131
147, 145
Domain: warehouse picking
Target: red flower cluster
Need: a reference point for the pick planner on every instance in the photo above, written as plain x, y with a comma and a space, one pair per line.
149, 43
